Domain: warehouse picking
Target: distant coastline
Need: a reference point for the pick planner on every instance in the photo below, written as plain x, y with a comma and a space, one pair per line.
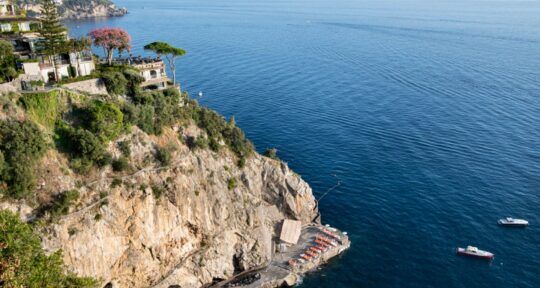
78, 9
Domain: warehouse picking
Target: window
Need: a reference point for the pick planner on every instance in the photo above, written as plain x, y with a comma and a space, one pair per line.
24, 26
5, 27
153, 74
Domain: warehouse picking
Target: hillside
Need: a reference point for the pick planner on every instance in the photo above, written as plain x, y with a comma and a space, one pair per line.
143, 189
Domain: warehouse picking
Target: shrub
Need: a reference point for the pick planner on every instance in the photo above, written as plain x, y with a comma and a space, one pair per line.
22, 145
63, 202
104, 119
2, 163
145, 120
131, 115
7, 61
157, 191
115, 82
201, 142
72, 231
241, 161
271, 153
217, 128
116, 182
120, 164
214, 144
134, 79
231, 183
191, 142
164, 155
25, 264
124, 148
106, 159
157, 109
83, 147
43, 108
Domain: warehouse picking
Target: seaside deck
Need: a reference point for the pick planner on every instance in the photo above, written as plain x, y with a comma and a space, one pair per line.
279, 271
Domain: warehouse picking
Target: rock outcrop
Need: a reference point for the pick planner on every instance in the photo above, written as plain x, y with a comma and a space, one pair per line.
197, 220
78, 9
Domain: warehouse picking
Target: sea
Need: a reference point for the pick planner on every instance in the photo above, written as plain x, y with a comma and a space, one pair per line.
416, 122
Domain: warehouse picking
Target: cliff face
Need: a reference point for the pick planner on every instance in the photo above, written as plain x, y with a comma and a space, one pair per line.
212, 219
77, 9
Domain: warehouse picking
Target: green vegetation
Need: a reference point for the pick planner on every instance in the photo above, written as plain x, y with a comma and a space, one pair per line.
83, 147
52, 33
271, 153
231, 183
156, 109
116, 182
157, 191
75, 4
60, 204
94, 125
164, 155
25, 264
103, 119
124, 148
115, 82
170, 52
43, 108
8, 66
120, 164
22, 145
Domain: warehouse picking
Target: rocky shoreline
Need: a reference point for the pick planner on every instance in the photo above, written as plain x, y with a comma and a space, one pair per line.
91, 9
285, 268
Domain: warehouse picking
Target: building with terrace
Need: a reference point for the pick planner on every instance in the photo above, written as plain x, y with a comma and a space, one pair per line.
153, 72
151, 69
23, 33
72, 64
18, 29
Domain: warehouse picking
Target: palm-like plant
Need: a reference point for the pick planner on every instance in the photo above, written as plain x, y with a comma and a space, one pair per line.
170, 52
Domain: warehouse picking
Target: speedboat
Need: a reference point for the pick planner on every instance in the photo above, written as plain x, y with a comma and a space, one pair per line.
509, 221
475, 252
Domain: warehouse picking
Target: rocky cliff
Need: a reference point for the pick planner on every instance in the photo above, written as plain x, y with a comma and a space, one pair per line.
77, 9
198, 219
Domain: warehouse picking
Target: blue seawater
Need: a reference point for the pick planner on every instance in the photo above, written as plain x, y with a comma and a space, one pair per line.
428, 112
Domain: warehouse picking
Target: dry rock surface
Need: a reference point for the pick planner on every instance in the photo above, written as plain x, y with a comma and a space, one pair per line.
90, 9
197, 220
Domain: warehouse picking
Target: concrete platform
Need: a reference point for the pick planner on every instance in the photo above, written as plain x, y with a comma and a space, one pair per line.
279, 272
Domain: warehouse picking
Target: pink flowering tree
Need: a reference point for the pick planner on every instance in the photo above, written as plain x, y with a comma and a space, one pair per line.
111, 39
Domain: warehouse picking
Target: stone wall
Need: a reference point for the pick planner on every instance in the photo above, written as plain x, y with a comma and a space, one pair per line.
92, 86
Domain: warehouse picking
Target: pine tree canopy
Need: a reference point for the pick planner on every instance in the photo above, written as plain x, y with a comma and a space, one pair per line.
52, 30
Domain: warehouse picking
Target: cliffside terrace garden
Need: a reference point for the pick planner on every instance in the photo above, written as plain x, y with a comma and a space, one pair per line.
38, 54
81, 127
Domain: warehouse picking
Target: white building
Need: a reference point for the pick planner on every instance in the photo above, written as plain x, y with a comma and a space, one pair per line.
153, 71
7, 8
82, 64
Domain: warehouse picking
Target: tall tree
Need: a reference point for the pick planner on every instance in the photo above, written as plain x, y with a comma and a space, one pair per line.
53, 33
7, 62
170, 52
111, 39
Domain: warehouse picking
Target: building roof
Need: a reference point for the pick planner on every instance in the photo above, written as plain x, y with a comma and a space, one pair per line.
290, 231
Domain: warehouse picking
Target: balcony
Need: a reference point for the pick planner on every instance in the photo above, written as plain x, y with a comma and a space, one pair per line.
156, 81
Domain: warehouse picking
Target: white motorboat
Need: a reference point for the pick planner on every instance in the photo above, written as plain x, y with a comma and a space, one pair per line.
509, 221
475, 252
